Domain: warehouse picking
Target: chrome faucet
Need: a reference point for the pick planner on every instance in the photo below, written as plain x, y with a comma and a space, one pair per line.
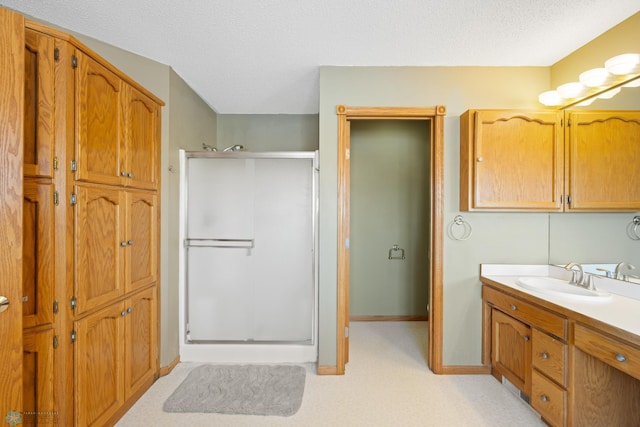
617, 274
576, 276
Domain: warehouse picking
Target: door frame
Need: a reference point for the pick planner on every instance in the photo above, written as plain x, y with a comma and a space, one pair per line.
435, 116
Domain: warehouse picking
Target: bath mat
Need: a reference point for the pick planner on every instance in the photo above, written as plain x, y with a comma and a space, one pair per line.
240, 389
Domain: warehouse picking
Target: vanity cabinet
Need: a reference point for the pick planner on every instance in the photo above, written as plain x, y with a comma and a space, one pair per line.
551, 161
526, 344
574, 371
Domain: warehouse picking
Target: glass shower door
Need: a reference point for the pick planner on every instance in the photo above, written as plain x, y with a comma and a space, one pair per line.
249, 250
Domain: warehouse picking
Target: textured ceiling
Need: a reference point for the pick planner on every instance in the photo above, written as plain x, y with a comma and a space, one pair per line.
261, 56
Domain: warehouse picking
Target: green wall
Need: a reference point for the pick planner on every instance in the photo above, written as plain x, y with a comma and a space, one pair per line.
269, 132
389, 205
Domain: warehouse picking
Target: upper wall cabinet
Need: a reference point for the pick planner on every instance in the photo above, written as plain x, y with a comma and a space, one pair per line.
511, 160
118, 127
525, 161
603, 160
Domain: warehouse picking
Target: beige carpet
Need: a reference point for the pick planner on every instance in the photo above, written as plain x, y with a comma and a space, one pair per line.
387, 384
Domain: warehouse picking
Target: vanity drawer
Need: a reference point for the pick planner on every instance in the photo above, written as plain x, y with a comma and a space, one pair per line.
611, 351
549, 399
549, 356
526, 312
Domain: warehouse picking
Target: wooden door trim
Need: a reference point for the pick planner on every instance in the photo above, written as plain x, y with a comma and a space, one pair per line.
11, 193
435, 115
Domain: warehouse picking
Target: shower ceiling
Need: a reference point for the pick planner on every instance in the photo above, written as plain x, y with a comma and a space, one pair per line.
257, 56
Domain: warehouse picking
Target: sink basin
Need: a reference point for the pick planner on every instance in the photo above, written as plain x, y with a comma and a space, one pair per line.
551, 285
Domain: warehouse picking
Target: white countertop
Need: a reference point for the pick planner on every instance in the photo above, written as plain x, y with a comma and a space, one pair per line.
620, 311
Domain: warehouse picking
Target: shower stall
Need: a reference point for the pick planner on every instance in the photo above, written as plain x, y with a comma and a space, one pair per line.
248, 290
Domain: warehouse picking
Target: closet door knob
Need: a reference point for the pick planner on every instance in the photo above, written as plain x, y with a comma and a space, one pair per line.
545, 355
123, 173
130, 242
123, 244
130, 175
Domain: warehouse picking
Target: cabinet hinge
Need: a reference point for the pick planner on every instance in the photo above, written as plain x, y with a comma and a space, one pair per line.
74, 166
56, 198
568, 122
74, 61
346, 332
55, 163
561, 122
55, 342
74, 303
56, 307
568, 200
73, 336
73, 199
56, 54
347, 154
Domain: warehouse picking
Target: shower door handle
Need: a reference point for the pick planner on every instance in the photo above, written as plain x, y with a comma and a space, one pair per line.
220, 243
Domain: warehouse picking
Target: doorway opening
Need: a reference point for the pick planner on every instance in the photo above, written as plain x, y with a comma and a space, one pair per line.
434, 119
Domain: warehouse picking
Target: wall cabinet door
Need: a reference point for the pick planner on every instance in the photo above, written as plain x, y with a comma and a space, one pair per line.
38, 104
37, 253
603, 152
99, 147
511, 350
140, 338
511, 160
100, 245
98, 365
141, 126
141, 237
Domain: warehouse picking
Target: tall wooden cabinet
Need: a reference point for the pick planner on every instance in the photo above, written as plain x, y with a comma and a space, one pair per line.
551, 161
91, 231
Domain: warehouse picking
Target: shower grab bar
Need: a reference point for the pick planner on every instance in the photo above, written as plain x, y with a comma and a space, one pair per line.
220, 243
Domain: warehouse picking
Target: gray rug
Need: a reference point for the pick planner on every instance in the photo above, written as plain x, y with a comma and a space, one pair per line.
240, 389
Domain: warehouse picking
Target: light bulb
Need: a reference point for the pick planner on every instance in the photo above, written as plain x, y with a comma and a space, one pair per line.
571, 90
550, 98
628, 63
596, 77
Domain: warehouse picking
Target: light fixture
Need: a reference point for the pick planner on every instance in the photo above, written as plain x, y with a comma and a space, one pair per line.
602, 83
628, 63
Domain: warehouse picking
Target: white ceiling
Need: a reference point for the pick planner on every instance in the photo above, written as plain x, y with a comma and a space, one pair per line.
263, 56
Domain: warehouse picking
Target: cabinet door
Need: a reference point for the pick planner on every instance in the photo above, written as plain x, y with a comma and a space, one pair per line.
141, 237
99, 110
38, 104
142, 121
511, 350
100, 245
37, 254
38, 405
511, 160
98, 365
603, 158
140, 341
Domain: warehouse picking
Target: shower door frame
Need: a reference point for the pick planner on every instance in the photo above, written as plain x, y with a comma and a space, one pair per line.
184, 315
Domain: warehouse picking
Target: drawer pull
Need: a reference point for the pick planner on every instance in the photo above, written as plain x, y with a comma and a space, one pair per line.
545, 355
514, 307
621, 358
526, 338
544, 398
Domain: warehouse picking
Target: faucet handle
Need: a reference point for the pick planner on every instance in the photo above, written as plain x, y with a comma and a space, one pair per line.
607, 273
588, 282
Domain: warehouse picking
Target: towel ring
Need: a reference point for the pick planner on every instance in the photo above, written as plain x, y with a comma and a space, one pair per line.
463, 233
633, 229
